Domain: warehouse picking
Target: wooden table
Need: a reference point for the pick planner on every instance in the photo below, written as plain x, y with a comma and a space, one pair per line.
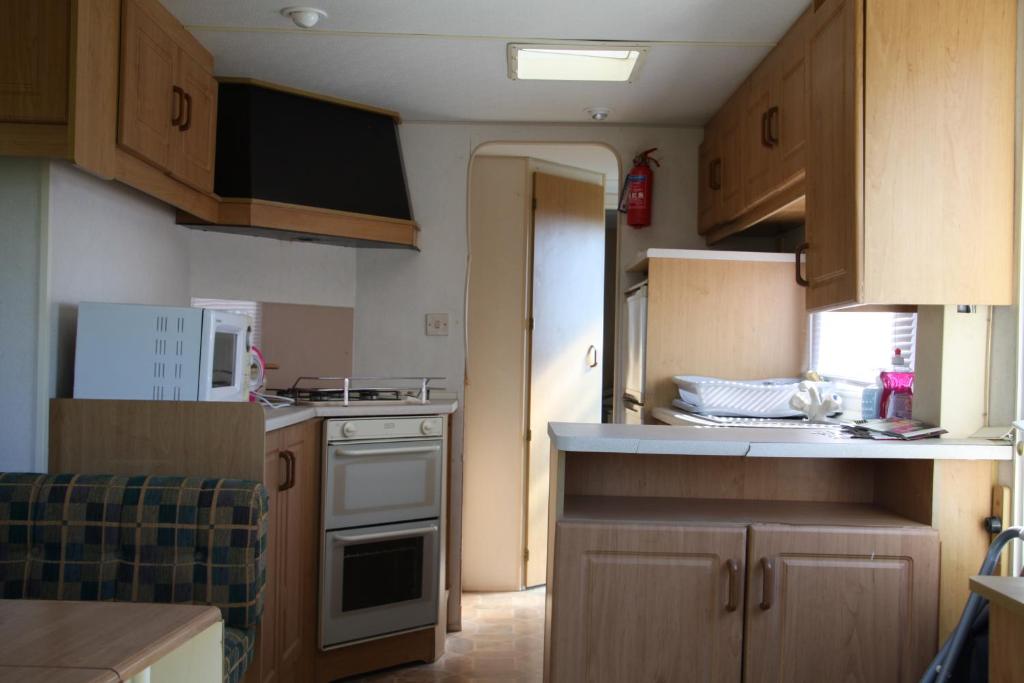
1006, 626
101, 642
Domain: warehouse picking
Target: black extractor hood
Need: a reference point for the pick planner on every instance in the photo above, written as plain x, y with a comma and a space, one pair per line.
299, 166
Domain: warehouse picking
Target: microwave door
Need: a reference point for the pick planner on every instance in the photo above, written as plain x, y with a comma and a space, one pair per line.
636, 344
225, 357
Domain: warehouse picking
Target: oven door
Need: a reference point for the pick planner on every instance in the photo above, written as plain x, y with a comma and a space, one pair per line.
378, 580
382, 482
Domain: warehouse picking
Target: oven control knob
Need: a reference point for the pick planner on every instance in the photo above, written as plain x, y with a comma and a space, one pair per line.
427, 427
349, 429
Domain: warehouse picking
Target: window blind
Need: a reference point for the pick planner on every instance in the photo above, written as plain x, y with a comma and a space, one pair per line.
854, 347
253, 309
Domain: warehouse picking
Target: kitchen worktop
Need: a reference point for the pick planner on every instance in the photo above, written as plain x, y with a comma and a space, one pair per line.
285, 417
756, 442
1005, 591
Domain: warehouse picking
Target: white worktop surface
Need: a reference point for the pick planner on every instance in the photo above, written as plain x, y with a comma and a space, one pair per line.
757, 442
285, 417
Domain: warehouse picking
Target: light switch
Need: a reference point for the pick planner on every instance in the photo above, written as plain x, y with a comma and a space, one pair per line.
437, 324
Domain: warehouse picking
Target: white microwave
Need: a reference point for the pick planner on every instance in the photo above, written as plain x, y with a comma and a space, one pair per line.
161, 353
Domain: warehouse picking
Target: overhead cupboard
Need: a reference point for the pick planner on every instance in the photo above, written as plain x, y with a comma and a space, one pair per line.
121, 89
886, 128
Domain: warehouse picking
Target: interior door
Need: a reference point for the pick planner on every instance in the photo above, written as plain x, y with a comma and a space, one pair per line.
648, 603
568, 316
840, 604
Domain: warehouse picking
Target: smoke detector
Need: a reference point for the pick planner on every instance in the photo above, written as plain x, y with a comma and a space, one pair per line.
304, 17
598, 113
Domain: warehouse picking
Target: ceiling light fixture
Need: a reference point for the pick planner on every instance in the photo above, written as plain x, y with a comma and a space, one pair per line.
304, 17
598, 113
588, 61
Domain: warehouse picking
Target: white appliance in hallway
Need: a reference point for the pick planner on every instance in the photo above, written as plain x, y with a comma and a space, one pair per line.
636, 349
380, 570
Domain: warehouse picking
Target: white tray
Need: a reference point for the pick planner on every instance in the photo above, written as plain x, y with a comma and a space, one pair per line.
768, 398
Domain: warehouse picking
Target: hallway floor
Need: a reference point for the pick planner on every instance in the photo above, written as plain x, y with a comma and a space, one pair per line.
502, 639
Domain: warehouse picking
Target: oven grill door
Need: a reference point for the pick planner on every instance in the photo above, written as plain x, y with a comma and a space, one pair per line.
383, 482
379, 580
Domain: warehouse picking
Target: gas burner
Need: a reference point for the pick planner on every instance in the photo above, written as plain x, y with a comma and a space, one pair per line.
415, 389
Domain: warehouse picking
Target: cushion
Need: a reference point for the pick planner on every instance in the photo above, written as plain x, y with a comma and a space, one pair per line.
238, 652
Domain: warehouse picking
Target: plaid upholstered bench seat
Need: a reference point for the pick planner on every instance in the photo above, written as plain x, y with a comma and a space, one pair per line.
139, 539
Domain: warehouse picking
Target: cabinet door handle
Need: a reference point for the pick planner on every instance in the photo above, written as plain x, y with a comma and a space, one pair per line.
800, 251
188, 113
177, 105
772, 117
289, 477
716, 174
768, 587
765, 141
734, 586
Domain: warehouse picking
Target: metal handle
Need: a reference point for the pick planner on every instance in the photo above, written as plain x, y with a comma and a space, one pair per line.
362, 538
592, 363
800, 251
734, 586
387, 451
289, 477
716, 174
768, 587
177, 105
188, 113
773, 125
765, 140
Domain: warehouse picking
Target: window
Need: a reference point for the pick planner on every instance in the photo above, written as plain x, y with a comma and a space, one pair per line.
856, 346
253, 309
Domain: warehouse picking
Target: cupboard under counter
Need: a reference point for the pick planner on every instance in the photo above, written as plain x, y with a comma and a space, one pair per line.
744, 558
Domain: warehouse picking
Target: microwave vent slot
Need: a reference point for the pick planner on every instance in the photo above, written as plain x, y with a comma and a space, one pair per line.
161, 323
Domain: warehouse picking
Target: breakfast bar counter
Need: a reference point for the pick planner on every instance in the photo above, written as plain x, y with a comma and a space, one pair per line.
773, 540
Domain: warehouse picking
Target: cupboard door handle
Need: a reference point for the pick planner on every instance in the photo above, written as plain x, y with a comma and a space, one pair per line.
716, 174
734, 586
765, 140
289, 478
772, 117
188, 113
800, 279
177, 105
768, 587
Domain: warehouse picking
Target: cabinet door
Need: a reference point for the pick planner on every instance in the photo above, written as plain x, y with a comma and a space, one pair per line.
298, 534
788, 121
148, 103
733, 171
835, 154
709, 177
34, 62
194, 154
647, 603
759, 181
840, 604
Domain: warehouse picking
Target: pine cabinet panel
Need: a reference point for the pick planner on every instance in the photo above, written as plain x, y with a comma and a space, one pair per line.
34, 62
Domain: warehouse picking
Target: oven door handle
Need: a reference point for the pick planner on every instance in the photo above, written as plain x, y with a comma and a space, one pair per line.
388, 451
339, 540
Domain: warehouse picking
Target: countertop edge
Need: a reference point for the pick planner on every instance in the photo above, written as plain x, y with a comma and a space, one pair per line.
286, 417
992, 588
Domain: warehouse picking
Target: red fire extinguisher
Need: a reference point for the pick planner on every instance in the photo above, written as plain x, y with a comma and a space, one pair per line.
637, 197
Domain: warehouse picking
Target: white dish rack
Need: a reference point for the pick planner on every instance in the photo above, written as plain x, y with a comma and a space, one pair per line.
768, 398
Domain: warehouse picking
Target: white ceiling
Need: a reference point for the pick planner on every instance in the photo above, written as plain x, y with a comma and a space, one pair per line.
441, 60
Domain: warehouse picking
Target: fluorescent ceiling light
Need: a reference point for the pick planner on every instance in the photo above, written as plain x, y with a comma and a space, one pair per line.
580, 62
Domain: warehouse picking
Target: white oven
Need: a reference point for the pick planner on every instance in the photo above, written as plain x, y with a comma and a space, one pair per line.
380, 470
378, 580
161, 353
383, 489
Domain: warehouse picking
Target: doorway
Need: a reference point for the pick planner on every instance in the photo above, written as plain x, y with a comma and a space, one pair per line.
535, 341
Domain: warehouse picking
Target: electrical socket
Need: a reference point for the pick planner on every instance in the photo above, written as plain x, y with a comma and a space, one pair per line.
437, 324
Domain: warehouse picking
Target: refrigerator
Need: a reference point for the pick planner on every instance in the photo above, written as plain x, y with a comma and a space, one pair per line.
636, 347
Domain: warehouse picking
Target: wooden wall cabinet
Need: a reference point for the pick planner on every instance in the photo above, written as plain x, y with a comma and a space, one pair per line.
287, 632
910, 152
648, 603
168, 101
34, 62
